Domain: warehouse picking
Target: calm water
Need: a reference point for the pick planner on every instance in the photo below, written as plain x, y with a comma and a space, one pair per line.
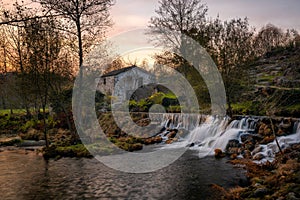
29, 176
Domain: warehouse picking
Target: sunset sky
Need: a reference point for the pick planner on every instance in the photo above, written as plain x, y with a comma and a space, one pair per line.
129, 14
132, 14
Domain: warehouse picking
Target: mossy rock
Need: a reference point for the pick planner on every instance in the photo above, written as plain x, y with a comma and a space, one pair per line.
78, 150
11, 141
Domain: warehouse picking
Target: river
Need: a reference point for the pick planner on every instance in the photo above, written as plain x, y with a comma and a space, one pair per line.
29, 176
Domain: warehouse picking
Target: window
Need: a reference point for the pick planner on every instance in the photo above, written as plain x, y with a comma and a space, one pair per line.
104, 81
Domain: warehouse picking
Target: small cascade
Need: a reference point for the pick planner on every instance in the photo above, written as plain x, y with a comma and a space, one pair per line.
207, 133
217, 133
296, 128
178, 120
268, 151
246, 123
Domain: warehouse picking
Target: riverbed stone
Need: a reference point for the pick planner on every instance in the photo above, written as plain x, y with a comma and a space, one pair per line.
247, 154
172, 134
268, 139
258, 156
260, 192
219, 153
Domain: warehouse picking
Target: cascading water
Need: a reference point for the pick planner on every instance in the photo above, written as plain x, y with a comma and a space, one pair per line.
268, 151
208, 133
179, 120
216, 133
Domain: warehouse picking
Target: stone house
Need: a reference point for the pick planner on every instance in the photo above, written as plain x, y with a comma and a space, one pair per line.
122, 83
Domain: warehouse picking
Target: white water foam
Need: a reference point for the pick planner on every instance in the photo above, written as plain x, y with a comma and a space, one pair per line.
208, 133
268, 151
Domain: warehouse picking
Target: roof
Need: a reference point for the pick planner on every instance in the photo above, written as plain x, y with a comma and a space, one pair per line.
119, 71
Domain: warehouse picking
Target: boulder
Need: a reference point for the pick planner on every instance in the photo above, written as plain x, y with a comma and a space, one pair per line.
268, 139
172, 134
153, 140
233, 147
219, 153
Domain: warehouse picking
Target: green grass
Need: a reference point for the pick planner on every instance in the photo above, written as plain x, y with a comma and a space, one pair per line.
247, 108
268, 78
15, 111
18, 111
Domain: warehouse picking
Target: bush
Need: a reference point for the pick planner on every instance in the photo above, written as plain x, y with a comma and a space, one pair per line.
29, 124
174, 109
157, 98
141, 106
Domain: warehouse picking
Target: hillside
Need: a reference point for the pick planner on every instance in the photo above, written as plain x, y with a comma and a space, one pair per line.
276, 85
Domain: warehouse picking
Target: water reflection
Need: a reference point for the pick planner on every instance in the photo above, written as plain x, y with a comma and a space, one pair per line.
28, 176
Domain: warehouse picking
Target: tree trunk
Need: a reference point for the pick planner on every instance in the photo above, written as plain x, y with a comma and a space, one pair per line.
45, 127
229, 109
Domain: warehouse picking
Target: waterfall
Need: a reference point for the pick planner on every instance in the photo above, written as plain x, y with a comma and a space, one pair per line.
207, 133
215, 134
268, 151
178, 120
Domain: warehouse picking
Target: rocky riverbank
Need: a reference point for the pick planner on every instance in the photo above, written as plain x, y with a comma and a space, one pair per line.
279, 179
273, 167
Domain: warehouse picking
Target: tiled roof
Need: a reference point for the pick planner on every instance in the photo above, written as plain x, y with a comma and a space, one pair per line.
119, 71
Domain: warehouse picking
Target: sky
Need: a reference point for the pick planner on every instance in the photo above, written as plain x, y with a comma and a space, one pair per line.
130, 14
133, 14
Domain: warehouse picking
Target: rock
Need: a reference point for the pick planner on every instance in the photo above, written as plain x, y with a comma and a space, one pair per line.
219, 153
153, 140
260, 192
249, 145
233, 150
33, 134
233, 147
261, 129
246, 137
171, 140
143, 122
191, 145
247, 154
268, 139
172, 134
10, 141
258, 156
257, 150
52, 131
291, 196
233, 143
233, 156
267, 131
280, 132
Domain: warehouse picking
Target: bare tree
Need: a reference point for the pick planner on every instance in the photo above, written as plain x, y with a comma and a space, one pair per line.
87, 20
233, 50
184, 16
268, 37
